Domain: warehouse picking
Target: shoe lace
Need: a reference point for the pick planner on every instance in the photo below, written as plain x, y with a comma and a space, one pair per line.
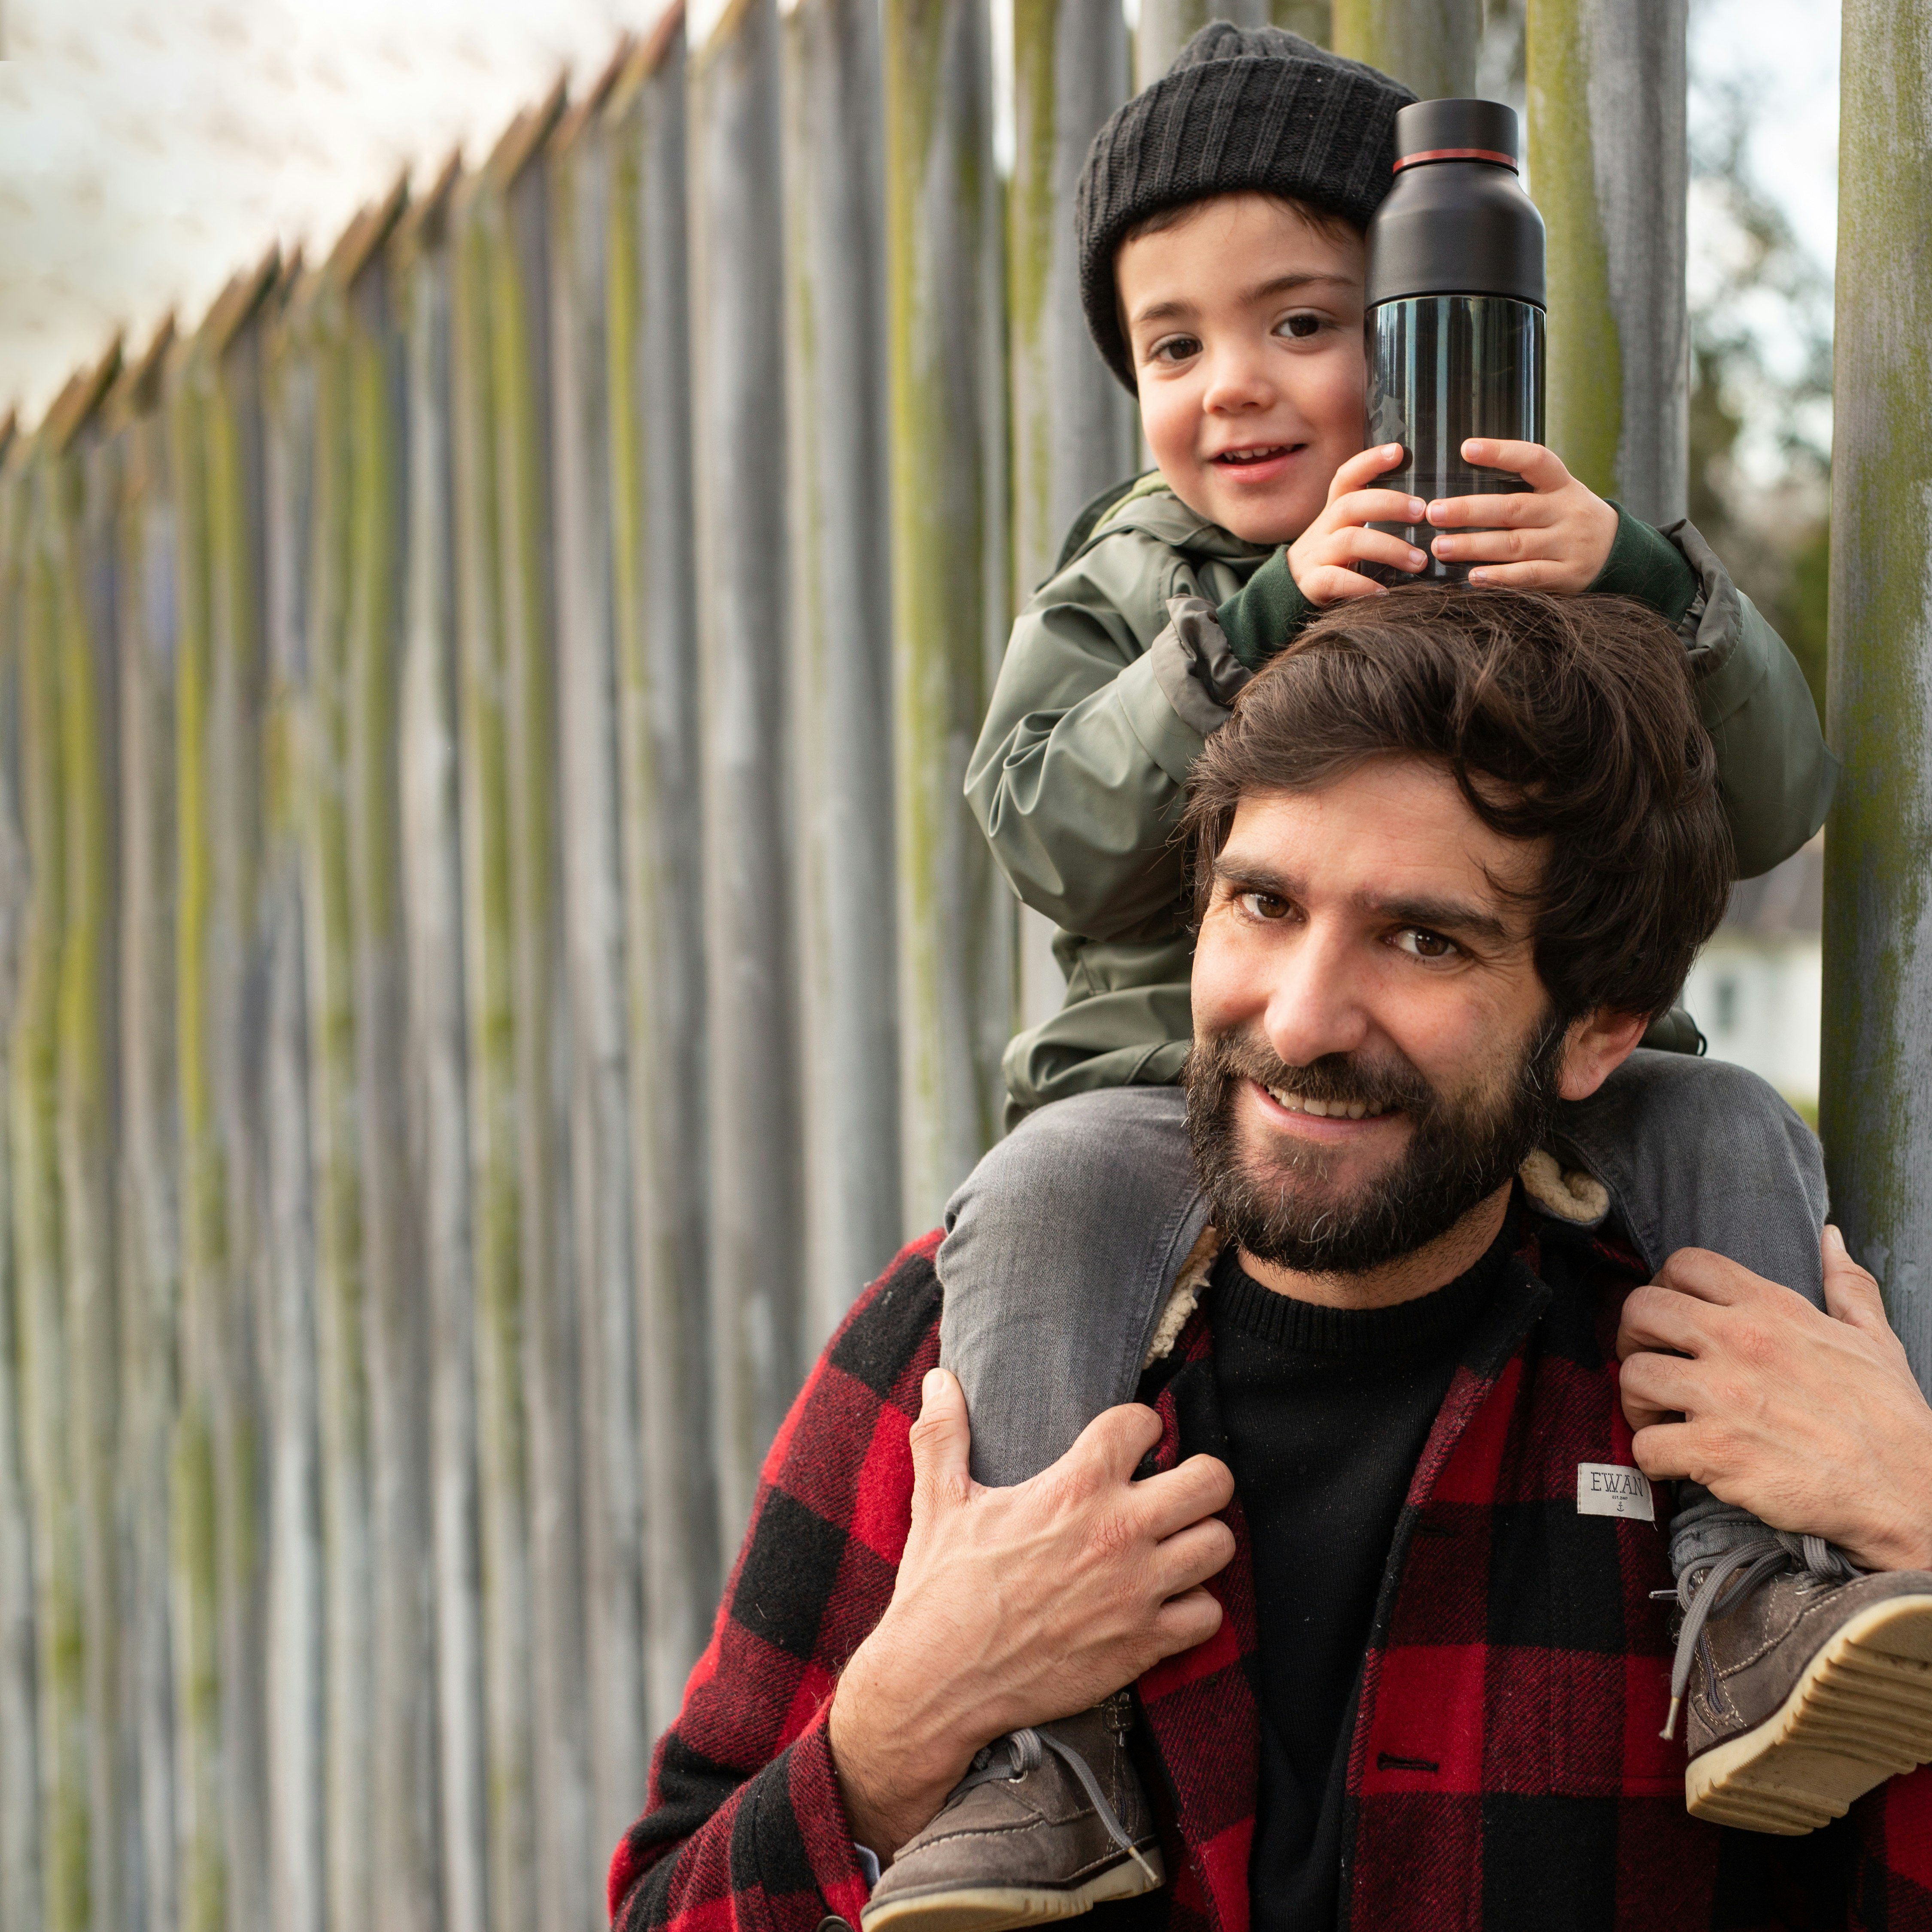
1707, 1592
1019, 1752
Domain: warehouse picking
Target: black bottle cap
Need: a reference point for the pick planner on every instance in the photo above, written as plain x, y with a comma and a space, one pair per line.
1457, 222
1455, 129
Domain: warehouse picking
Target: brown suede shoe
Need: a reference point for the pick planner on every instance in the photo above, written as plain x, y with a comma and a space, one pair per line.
1812, 1684
1048, 1824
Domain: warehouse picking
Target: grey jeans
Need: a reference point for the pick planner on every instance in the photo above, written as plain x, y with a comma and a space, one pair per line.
1062, 1245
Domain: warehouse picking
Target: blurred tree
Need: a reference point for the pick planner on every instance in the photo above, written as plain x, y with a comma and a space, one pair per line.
1760, 381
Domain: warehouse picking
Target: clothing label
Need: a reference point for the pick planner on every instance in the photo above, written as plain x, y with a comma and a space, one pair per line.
1603, 1489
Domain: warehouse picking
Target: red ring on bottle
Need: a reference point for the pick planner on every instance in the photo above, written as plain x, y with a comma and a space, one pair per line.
1455, 154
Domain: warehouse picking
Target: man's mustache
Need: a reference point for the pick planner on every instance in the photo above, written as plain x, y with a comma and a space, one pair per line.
1384, 1084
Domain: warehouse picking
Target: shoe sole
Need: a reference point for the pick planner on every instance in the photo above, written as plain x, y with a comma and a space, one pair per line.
1861, 1713
997, 1908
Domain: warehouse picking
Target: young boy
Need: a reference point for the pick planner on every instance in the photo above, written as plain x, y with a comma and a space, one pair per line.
1221, 217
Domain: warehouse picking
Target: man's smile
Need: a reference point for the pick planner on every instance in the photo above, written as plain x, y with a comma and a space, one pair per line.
1328, 1121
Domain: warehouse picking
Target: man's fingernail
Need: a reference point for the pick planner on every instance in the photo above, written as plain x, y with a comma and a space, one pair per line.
934, 1381
1833, 1240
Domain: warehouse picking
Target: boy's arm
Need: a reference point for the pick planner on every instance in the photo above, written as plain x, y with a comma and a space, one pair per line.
1076, 779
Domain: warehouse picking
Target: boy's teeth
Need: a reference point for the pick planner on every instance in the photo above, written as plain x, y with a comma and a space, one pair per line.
1324, 1110
1253, 455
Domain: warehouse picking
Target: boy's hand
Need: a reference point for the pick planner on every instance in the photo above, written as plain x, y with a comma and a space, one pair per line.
1322, 559
1555, 535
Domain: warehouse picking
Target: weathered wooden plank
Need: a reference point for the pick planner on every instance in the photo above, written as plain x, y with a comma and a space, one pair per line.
655, 619
90, 1120
148, 1218
1166, 26
20, 1895
1608, 159
43, 1342
840, 648
321, 785
616, 1739
526, 588
228, 1344
431, 858
502, 1448
950, 580
1429, 45
737, 381
295, 1671
1875, 1105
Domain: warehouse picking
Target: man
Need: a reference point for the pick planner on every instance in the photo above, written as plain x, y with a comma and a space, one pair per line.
1371, 1551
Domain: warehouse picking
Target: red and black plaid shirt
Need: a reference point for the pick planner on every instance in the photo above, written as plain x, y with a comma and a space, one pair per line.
1505, 1771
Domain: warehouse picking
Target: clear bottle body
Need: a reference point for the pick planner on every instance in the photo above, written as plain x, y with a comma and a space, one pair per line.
1442, 368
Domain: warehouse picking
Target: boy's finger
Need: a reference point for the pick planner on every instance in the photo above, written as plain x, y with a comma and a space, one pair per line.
1541, 469
1364, 466
1360, 545
1335, 584
1515, 509
1377, 506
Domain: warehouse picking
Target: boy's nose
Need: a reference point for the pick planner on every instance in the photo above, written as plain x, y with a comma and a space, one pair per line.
1236, 382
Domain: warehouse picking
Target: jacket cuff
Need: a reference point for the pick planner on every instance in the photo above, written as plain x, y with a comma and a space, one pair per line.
1645, 564
1197, 673
1265, 614
1164, 735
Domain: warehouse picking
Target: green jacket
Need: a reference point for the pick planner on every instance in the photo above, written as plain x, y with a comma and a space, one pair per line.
1077, 777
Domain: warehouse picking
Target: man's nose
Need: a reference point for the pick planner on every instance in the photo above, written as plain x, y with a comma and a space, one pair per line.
1315, 1002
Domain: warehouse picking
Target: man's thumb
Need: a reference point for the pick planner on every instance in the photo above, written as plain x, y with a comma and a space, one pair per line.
941, 1439
1851, 1292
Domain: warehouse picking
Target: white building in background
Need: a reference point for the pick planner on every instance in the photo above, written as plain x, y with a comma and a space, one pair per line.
1756, 988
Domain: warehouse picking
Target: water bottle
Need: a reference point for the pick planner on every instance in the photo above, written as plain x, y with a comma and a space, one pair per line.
1455, 319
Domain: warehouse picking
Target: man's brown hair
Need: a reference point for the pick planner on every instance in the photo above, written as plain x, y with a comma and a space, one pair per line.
1567, 718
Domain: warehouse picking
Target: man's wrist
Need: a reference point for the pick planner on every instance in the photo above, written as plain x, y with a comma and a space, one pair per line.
894, 1765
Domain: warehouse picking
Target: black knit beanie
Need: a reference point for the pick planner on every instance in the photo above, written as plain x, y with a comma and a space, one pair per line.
1241, 108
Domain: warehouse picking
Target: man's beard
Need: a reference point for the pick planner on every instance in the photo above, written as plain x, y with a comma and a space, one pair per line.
1277, 1201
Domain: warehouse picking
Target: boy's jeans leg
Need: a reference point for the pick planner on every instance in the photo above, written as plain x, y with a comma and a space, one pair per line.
1699, 1154
1060, 1249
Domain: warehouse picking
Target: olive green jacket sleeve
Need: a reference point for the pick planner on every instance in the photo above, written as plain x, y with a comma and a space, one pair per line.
1077, 777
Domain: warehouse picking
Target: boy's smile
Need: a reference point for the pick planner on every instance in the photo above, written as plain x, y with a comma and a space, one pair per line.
1246, 325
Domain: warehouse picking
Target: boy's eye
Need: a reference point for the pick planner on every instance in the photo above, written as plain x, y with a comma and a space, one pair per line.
1300, 326
1423, 944
1174, 349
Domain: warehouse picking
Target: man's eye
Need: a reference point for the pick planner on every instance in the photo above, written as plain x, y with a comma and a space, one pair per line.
1174, 349
1425, 944
1264, 905
1299, 326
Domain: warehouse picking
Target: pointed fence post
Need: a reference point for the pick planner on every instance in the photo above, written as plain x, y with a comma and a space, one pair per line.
1876, 1106
737, 297
949, 582
648, 341
1428, 45
840, 664
1609, 169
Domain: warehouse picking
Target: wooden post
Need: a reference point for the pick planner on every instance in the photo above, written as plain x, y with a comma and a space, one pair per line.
1166, 26
1874, 1107
436, 1072
950, 579
654, 614
738, 390
1609, 168
618, 1742
502, 1454
1428, 45
300, 1577
20, 1890
840, 666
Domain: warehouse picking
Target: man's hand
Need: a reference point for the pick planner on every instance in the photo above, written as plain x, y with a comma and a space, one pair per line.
1016, 1606
1555, 535
1322, 560
1811, 1420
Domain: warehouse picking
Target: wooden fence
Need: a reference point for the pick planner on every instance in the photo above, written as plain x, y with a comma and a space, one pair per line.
492, 952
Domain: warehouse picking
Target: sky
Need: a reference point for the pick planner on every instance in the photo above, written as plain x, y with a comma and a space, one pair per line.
150, 149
